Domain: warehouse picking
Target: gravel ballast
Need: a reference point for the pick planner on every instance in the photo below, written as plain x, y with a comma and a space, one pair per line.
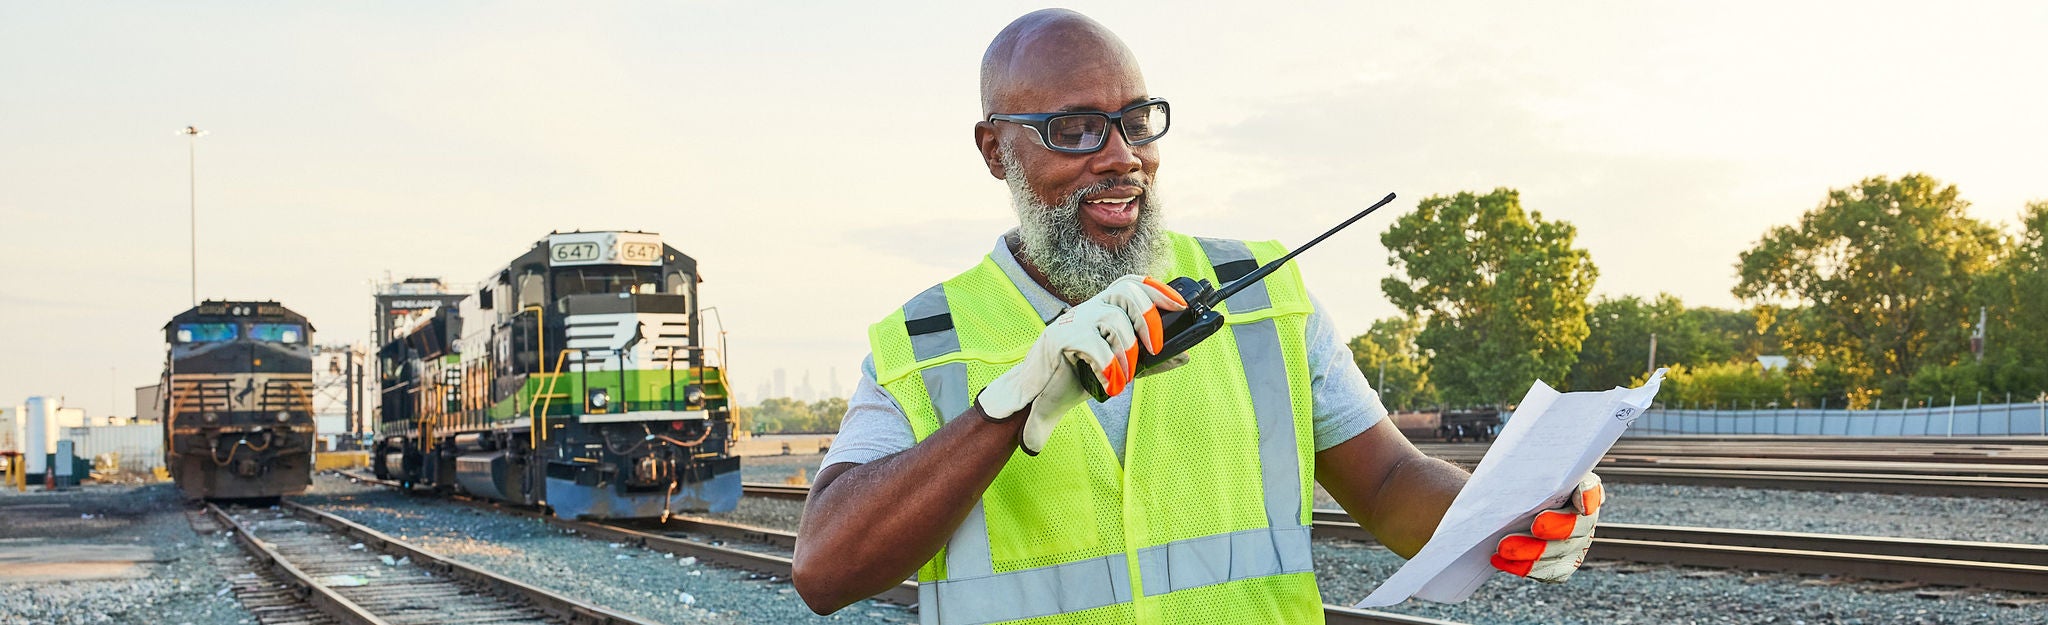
1637, 594
636, 581
183, 586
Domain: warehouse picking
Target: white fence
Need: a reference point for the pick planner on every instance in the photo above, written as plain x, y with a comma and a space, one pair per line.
1980, 420
141, 447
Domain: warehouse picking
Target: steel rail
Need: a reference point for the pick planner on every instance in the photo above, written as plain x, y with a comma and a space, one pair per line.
2001, 566
904, 593
775, 491
556, 605
1889, 483
309, 589
332, 602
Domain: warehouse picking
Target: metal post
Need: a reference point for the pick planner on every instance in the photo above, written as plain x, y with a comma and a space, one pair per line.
348, 396
192, 189
1652, 369
2008, 413
1951, 415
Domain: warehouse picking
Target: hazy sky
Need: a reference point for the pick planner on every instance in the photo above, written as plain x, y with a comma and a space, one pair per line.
816, 158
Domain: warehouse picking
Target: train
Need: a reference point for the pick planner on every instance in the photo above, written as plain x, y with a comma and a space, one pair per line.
1453, 426
238, 401
574, 378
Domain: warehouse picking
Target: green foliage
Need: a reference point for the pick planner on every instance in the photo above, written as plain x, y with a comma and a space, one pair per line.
1884, 270
1503, 293
1617, 345
1391, 343
1617, 349
1726, 385
2015, 297
782, 415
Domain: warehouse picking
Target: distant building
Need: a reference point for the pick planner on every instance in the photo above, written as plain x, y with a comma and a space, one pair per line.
147, 408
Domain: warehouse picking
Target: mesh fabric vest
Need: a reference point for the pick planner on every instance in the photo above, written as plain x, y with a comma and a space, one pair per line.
1206, 518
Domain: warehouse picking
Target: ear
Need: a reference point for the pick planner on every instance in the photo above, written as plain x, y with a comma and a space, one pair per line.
986, 140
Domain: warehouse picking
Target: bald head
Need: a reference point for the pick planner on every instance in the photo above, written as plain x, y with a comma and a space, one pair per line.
1052, 50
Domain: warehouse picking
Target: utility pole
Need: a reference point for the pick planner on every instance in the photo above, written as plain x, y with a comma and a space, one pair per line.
192, 134
1652, 370
1977, 336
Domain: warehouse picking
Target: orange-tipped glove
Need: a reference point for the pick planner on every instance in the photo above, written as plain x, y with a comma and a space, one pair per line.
1101, 335
1557, 540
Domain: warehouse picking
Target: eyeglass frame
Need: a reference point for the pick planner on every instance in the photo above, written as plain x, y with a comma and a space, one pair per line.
1042, 124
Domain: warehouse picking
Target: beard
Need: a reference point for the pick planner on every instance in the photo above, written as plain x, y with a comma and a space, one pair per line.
1075, 266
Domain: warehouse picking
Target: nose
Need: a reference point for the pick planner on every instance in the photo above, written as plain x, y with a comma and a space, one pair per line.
1117, 157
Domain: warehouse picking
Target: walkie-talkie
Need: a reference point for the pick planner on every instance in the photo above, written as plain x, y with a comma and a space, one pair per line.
1188, 327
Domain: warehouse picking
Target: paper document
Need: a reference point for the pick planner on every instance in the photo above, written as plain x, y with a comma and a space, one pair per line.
1552, 439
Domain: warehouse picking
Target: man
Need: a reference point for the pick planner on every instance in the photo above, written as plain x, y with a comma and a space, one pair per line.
972, 456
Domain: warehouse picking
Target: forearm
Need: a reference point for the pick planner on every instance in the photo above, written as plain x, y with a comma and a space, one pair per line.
1391, 488
1411, 501
867, 527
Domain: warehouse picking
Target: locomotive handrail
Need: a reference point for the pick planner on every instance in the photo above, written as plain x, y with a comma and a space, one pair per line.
547, 399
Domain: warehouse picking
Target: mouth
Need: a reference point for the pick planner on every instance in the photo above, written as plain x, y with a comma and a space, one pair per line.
1116, 208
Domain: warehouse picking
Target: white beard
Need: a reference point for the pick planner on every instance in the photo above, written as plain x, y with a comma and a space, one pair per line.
1074, 264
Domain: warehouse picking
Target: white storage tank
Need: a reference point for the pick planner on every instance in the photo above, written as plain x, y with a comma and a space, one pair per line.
38, 436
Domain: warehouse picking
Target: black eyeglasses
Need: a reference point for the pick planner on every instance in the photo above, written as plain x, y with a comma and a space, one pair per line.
1086, 131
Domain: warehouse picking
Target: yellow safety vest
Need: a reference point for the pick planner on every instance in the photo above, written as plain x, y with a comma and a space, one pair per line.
1206, 520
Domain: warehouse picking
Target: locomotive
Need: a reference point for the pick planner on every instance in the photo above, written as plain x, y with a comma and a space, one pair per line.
238, 401
574, 378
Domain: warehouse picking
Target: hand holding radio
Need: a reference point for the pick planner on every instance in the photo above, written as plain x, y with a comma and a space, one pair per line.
1101, 339
1188, 327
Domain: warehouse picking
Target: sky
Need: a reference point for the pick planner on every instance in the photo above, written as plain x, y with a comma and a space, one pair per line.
817, 160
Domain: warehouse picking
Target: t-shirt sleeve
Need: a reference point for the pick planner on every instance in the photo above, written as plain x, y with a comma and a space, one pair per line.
874, 425
1345, 405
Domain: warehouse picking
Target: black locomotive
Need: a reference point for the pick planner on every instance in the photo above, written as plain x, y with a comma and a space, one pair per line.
237, 400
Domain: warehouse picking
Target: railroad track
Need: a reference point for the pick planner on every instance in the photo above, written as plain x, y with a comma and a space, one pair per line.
352, 574
2000, 566
661, 537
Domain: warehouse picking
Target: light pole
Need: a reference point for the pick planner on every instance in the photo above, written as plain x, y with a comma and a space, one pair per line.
192, 134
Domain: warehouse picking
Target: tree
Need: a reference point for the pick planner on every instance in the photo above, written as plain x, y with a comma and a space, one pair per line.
2015, 297
1391, 343
1884, 269
1617, 345
1502, 292
1617, 348
779, 415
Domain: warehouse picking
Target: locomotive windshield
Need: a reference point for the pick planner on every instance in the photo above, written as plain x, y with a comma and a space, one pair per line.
287, 333
603, 280
206, 332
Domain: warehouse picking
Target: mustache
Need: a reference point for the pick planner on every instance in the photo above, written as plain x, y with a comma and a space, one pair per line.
1128, 180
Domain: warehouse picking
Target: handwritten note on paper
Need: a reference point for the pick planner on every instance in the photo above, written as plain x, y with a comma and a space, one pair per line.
1552, 439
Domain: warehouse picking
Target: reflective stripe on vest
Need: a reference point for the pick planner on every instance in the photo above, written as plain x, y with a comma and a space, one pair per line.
1232, 260
1030, 593
930, 323
972, 593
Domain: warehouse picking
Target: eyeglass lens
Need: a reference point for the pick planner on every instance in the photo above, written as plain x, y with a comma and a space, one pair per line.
1086, 131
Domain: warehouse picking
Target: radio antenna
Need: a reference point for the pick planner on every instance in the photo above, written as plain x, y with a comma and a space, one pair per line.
1256, 274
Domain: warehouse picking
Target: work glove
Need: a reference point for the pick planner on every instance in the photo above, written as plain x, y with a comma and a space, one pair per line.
1557, 540
1100, 336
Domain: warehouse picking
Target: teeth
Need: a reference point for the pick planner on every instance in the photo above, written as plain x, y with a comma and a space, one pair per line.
1112, 200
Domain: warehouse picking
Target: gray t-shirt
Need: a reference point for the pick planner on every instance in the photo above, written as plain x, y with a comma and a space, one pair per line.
1345, 404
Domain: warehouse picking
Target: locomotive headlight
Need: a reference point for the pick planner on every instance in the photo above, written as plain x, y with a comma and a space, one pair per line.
283, 416
210, 417
600, 400
693, 395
